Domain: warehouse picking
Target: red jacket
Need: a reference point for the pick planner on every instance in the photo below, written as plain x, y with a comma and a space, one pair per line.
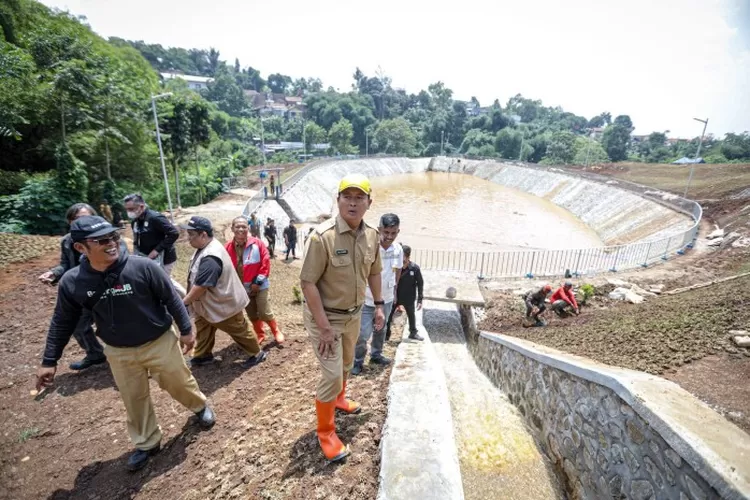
566, 295
256, 261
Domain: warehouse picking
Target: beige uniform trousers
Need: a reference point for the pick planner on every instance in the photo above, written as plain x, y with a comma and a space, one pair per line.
163, 359
237, 327
345, 331
259, 307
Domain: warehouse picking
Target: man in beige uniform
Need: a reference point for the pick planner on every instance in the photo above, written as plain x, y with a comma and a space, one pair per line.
341, 259
216, 296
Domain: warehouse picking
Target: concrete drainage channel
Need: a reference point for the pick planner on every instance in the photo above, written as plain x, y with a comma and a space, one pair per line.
450, 432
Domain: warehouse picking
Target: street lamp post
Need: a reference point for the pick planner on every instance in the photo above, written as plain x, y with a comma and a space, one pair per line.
161, 151
442, 134
697, 154
262, 141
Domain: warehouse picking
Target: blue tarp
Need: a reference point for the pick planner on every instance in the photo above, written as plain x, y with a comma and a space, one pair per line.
688, 161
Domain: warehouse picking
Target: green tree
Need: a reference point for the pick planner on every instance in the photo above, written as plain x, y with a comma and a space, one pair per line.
314, 134
561, 149
227, 95
395, 137
474, 140
340, 136
508, 143
589, 152
616, 141
279, 84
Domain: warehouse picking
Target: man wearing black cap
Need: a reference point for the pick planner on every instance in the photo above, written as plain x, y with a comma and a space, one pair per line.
134, 305
216, 296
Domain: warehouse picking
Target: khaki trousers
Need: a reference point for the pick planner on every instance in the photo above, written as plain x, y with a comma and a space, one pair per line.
345, 334
259, 307
237, 327
163, 359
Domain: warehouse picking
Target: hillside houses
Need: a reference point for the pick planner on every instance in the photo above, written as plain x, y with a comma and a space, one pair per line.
270, 104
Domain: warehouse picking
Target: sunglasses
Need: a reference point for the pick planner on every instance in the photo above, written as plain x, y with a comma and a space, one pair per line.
106, 240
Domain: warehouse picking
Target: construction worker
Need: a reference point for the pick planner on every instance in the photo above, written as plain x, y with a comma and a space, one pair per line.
216, 296
410, 289
69, 259
153, 235
564, 299
254, 224
253, 265
391, 259
134, 306
341, 259
535, 304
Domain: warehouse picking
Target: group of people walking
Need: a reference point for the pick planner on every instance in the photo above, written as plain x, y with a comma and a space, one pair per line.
134, 304
354, 277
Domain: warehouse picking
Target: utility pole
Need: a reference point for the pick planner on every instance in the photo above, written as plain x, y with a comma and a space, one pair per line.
262, 141
161, 151
442, 134
304, 142
367, 143
588, 150
697, 154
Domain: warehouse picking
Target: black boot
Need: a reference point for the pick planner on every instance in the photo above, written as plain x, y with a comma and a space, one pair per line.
416, 336
87, 363
139, 459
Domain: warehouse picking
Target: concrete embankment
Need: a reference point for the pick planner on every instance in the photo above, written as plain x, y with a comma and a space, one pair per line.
617, 215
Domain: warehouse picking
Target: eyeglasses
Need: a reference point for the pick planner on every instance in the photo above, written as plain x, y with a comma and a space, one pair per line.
106, 240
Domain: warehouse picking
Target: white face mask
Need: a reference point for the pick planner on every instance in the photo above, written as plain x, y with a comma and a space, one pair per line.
132, 215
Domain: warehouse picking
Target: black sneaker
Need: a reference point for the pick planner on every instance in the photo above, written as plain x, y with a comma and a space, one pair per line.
380, 360
206, 417
139, 459
356, 369
255, 360
86, 363
416, 336
204, 360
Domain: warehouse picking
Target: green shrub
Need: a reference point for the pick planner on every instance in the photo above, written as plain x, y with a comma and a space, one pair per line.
587, 291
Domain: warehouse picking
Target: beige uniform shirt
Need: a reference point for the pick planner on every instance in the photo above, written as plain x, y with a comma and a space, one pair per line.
339, 261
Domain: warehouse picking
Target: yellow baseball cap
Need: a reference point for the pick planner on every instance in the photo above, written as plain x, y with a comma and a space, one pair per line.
358, 181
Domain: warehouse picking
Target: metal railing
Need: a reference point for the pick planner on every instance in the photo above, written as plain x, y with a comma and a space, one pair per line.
573, 262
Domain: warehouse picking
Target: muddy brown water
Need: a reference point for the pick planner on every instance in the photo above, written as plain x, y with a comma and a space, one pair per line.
450, 211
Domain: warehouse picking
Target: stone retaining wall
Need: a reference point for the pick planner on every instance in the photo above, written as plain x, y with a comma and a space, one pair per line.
615, 433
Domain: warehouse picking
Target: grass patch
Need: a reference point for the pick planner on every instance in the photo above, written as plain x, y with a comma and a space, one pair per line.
27, 434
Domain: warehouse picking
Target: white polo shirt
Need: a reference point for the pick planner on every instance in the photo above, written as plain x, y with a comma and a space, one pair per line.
392, 259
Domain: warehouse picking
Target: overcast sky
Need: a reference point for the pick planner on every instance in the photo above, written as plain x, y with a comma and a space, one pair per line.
663, 62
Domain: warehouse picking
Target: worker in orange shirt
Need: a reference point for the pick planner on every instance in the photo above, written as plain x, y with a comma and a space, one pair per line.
564, 300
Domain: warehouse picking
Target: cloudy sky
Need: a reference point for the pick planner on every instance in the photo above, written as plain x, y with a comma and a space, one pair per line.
663, 62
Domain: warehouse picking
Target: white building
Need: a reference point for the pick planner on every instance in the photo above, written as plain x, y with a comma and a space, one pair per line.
194, 82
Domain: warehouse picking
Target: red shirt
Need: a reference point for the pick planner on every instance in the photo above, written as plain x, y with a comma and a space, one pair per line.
566, 295
256, 261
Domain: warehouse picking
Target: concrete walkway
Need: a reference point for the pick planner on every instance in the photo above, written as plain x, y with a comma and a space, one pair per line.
496, 452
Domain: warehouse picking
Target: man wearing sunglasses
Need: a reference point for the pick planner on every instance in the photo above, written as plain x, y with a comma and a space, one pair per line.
133, 304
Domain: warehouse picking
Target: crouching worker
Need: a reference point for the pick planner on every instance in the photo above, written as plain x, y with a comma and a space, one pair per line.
133, 304
252, 262
535, 304
564, 300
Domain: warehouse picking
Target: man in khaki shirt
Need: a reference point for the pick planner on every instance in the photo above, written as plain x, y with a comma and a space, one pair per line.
341, 259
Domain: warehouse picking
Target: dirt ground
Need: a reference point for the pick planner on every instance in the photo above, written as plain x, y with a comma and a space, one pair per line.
73, 444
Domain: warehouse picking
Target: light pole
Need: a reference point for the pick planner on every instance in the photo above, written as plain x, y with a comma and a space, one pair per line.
367, 143
304, 143
262, 141
161, 151
442, 134
697, 154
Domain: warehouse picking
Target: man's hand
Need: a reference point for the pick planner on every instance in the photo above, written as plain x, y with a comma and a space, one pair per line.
254, 289
154, 254
325, 344
379, 318
401, 309
419, 306
47, 277
577, 311
45, 375
188, 342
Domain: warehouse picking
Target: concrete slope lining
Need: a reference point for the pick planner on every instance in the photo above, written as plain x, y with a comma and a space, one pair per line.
498, 455
617, 215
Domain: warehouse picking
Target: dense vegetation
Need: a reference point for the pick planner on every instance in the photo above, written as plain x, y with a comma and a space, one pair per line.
76, 121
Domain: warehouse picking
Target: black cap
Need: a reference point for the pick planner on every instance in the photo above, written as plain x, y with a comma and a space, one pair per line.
198, 224
90, 226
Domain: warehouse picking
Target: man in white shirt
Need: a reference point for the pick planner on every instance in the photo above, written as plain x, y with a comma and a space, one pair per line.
392, 258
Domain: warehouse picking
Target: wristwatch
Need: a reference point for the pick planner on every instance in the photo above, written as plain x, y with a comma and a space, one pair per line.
380, 302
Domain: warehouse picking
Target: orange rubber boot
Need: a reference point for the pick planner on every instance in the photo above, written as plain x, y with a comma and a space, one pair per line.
333, 449
258, 327
347, 405
276, 332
